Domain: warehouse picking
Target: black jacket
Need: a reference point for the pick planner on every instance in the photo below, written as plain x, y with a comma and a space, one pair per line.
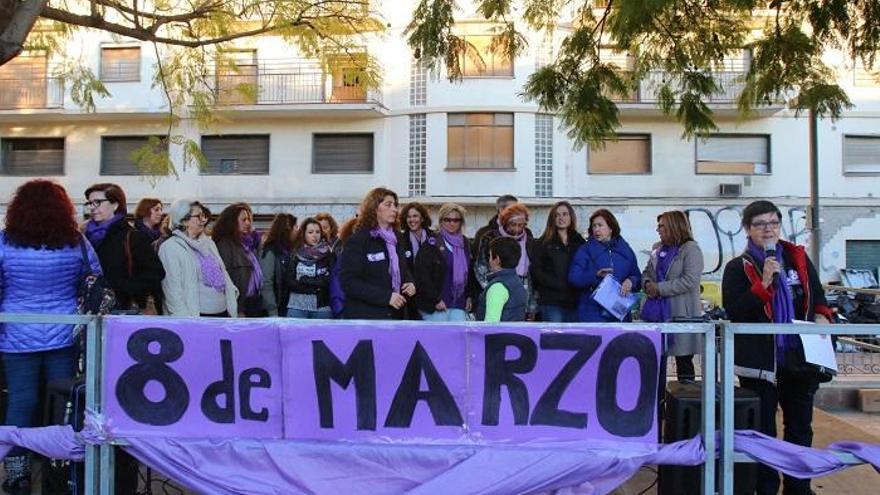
130, 265
746, 301
549, 269
365, 278
307, 276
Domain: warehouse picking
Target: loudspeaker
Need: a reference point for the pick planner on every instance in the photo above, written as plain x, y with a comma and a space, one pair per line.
682, 421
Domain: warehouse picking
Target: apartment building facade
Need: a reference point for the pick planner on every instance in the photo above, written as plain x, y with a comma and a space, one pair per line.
310, 140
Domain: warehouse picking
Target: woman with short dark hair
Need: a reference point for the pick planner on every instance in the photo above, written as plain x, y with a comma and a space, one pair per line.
240, 251
41, 267
605, 252
375, 278
773, 281
131, 266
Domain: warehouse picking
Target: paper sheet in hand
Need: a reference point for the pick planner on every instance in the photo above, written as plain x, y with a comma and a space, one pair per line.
818, 349
607, 294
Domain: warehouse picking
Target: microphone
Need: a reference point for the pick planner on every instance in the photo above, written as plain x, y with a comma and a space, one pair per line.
770, 250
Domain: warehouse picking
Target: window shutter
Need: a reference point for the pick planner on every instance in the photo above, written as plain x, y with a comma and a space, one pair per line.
236, 154
629, 154
342, 153
861, 154
121, 64
33, 156
733, 155
116, 154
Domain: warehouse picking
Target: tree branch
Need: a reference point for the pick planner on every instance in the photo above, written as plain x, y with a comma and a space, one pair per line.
16, 31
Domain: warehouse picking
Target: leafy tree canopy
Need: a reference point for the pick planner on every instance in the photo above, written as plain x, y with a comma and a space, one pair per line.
688, 41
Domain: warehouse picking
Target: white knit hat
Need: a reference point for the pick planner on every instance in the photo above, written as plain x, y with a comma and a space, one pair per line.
179, 210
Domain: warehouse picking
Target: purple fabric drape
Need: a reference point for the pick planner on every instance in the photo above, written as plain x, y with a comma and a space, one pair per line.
96, 231
251, 244
254, 466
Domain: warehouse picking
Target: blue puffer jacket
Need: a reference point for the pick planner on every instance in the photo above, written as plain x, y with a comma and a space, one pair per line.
39, 281
589, 259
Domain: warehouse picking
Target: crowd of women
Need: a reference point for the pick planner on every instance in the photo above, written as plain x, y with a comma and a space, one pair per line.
387, 262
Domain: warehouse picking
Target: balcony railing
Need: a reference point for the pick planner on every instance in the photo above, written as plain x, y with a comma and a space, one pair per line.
31, 93
286, 82
731, 83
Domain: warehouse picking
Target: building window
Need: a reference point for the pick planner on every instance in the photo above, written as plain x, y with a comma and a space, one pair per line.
418, 153
117, 153
479, 140
342, 153
481, 59
23, 82
861, 154
543, 155
733, 154
32, 156
121, 64
628, 154
237, 77
863, 254
236, 154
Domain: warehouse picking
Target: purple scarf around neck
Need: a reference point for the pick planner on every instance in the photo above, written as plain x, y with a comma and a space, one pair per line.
659, 309
96, 231
210, 266
782, 303
152, 232
459, 260
251, 243
416, 241
390, 238
522, 268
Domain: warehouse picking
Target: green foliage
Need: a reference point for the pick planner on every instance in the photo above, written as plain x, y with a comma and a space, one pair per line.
682, 53
82, 83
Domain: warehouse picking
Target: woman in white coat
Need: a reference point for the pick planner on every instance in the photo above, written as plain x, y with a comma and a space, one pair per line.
196, 282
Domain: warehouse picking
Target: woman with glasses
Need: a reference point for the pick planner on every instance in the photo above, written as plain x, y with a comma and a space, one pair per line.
551, 259
240, 251
773, 281
196, 281
41, 267
672, 284
130, 264
374, 276
443, 271
605, 252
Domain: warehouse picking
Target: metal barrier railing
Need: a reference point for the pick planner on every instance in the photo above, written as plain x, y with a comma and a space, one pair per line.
727, 331
99, 459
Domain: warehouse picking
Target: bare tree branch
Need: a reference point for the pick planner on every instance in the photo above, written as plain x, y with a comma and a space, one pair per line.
15, 32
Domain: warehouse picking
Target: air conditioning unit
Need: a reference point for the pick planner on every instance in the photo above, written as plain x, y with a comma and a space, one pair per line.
731, 190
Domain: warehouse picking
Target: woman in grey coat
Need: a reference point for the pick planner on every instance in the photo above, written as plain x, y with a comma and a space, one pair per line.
672, 284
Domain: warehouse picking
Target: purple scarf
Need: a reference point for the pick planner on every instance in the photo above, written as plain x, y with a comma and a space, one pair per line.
152, 232
251, 243
658, 309
313, 253
212, 271
782, 304
390, 238
96, 231
522, 268
459, 260
416, 241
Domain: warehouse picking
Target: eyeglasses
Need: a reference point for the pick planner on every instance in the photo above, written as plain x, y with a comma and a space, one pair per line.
451, 220
774, 224
94, 203
200, 217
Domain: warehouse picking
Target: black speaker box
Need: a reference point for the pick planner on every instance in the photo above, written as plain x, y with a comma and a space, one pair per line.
682, 421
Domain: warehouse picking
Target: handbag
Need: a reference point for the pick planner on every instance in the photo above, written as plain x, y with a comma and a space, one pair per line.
95, 297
